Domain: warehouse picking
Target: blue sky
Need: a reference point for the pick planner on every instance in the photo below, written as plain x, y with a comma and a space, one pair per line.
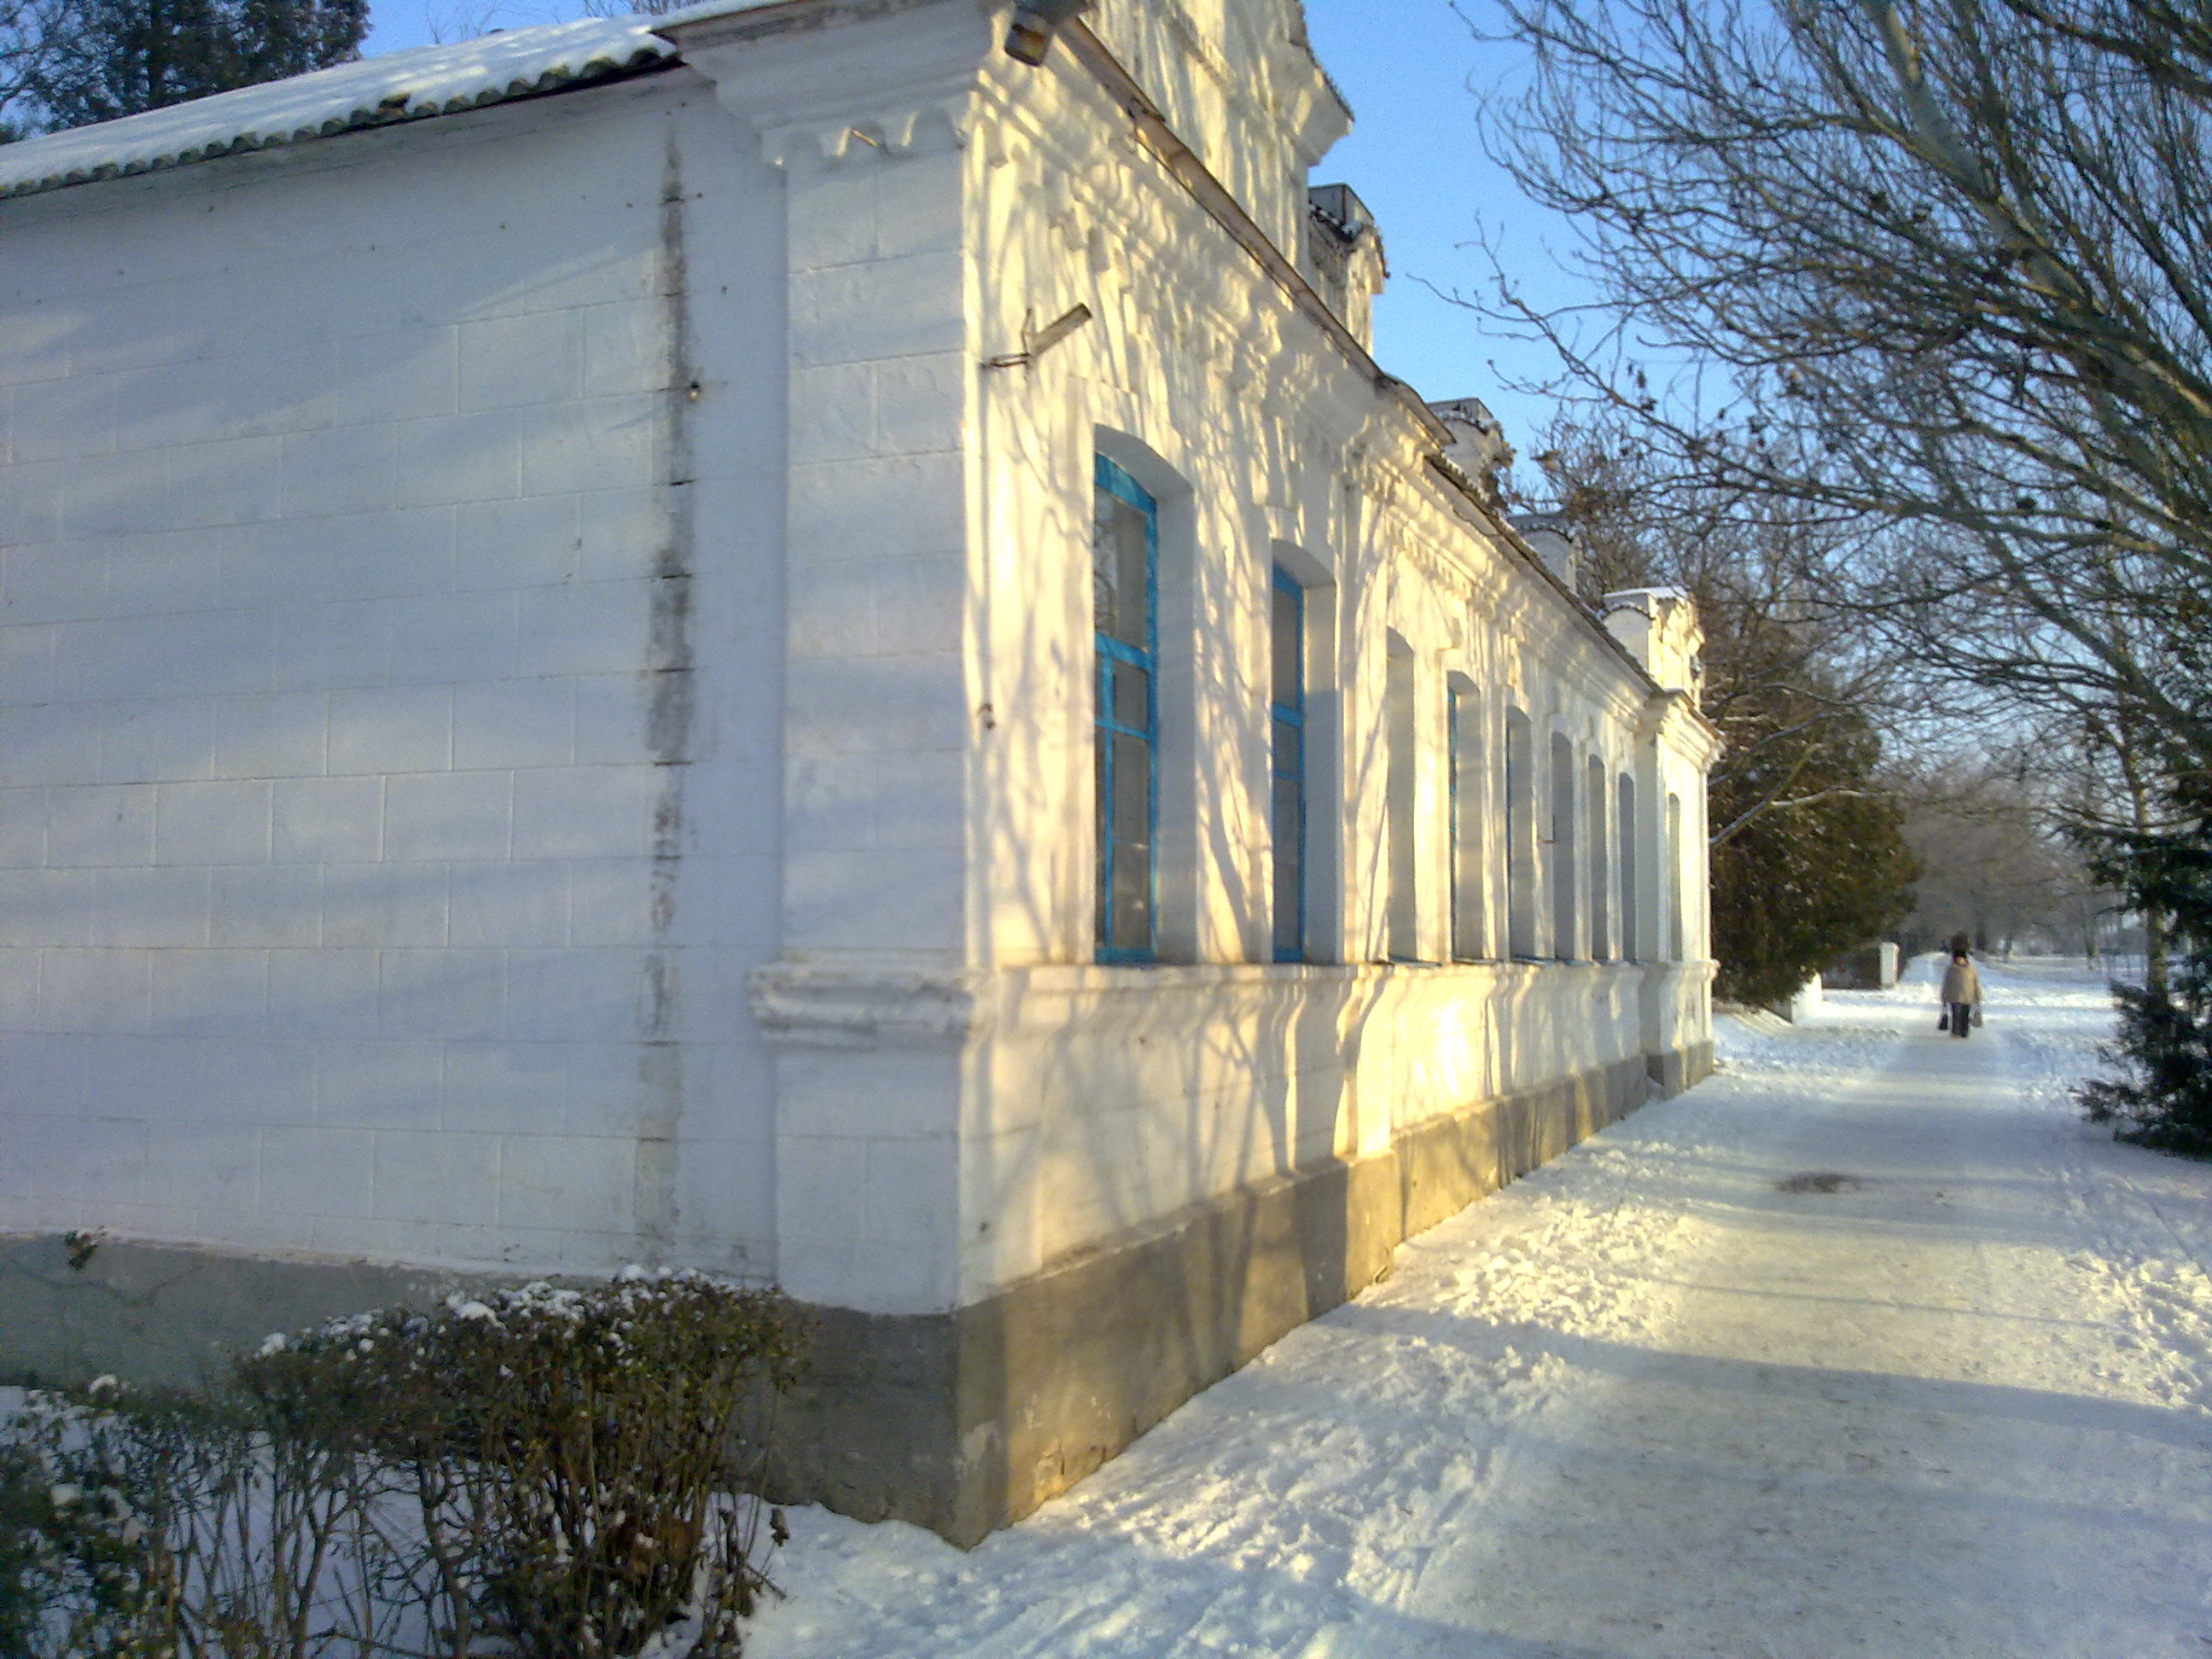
1416, 76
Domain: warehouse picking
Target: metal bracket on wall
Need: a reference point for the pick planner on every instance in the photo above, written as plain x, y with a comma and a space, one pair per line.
1035, 342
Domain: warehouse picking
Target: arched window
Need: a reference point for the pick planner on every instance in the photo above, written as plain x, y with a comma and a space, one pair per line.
1520, 835
1561, 864
1674, 941
1400, 730
1125, 542
1600, 891
1624, 830
1469, 943
1286, 763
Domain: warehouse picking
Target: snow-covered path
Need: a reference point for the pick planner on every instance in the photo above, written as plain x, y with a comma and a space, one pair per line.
1652, 1401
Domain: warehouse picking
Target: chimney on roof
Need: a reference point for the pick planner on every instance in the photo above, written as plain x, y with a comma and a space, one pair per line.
1478, 446
1552, 540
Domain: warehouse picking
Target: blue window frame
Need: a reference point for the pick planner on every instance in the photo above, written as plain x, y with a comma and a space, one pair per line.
1125, 554
1287, 710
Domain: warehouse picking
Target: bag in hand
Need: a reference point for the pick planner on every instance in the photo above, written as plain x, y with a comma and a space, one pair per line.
1977, 1016
1943, 1020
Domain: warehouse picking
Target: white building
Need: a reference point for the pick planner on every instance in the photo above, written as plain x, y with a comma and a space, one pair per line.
773, 639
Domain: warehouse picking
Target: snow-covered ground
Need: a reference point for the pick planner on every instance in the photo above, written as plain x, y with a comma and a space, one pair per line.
1652, 1401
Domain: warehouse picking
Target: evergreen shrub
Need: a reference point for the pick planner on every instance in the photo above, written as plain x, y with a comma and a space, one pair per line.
2163, 1096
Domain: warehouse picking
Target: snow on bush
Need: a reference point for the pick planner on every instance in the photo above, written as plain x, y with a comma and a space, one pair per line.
541, 1472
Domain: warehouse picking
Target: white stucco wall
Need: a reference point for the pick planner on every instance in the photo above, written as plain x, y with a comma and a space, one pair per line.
373, 840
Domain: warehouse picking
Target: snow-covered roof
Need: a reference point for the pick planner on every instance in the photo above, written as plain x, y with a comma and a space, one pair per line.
399, 86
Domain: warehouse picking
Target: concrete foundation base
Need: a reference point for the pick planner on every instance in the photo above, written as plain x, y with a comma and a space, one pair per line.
959, 1422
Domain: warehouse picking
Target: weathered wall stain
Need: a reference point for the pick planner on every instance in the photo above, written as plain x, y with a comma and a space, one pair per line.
670, 704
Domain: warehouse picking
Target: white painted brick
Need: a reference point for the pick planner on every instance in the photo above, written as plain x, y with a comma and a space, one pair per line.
609, 719
600, 443
23, 1139
152, 909
26, 658
19, 983
322, 993
65, 419
95, 1160
49, 744
900, 307
918, 211
862, 900
503, 723
591, 628
920, 606
328, 820
31, 505
55, 582
108, 825
282, 736
384, 1085
208, 653
448, 993
241, 482
320, 647
125, 496
505, 1088
388, 555
610, 901
585, 811
396, 905
626, 346
400, 375
145, 742
210, 1164
277, 562
821, 1185
266, 1080
461, 457
432, 1177
205, 824
574, 996
22, 828
453, 637
833, 220
833, 413
437, 817
496, 905
529, 541
920, 405
317, 1171
570, 1182
266, 905
896, 507
49, 906
401, 728
618, 532
607, 1090
41, 1074
343, 470
156, 575
530, 360
95, 990
209, 993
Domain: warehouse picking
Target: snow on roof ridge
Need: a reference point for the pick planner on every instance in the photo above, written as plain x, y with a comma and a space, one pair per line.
399, 86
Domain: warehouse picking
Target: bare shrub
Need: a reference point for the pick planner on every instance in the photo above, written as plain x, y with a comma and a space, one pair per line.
544, 1471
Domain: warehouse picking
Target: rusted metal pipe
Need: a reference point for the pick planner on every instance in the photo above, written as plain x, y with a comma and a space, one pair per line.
1029, 37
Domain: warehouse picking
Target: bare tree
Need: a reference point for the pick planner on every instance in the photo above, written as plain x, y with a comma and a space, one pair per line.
1939, 279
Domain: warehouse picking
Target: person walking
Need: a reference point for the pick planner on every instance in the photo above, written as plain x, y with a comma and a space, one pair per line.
1962, 992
